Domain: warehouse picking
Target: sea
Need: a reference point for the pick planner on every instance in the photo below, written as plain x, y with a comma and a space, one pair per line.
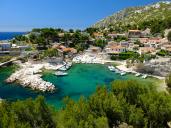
9, 35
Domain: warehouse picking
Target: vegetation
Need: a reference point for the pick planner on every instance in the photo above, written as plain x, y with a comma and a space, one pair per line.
120, 38
44, 37
169, 36
168, 80
156, 18
162, 53
100, 43
50, 53
26, 114
5, 58
124, 55
129, 102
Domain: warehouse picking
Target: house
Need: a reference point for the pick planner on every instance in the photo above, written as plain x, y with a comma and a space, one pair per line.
112, 43
115, 49
112, 35
146, 33
64, 50
5, 46
98, 35
124, 43
115, 35
144, 50
168, 49
165, 47
143, 40
134, 34
133, 47
70, 50
154, 40
93, 49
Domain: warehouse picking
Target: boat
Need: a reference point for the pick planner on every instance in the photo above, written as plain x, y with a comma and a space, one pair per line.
69, 64
123, 73
60, 73
117, 71
138, 74
111, 68
65, 67
62, 68
144, 76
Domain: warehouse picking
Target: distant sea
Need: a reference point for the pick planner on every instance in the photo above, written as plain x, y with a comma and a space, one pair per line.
9, 35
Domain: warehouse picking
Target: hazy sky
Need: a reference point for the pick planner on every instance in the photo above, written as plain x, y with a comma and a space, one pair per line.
23, 15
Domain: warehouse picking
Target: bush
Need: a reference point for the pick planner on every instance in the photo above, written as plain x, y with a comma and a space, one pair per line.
162, 53
169, 36
5, 58
129, 102
124, 55
168, 80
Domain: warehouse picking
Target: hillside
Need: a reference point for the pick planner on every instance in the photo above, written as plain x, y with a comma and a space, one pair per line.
136, 15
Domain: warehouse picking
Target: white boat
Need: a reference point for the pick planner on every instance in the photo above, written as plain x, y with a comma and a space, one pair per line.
69, 64
60, 73
62, 68
138, 74
123, 73
144, 76
111, 68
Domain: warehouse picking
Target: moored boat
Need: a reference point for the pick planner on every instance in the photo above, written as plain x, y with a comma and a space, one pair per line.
144, 76
138, 74
123, 73
60, 73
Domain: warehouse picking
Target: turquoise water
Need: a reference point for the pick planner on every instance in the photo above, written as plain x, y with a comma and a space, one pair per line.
83, 79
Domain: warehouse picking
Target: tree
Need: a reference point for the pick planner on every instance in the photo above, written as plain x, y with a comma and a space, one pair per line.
26, 114
32, 38
168, 80
169, 36
130, 90
100, 43
106, 104
157, 107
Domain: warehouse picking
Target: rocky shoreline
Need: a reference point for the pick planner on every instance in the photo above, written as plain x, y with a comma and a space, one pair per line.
29, 75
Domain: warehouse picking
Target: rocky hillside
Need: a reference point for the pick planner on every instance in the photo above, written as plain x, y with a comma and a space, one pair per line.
134, 15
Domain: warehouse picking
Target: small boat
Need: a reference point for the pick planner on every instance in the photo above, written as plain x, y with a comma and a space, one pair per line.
60, 73
69, 64
111, 68
144, 76
63, 68
123, 73
138, 74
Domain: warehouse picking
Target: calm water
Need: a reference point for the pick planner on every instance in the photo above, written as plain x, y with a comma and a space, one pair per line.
9, 35
83, 79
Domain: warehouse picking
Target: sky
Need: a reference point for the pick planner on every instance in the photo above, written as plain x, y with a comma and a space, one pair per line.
23, 15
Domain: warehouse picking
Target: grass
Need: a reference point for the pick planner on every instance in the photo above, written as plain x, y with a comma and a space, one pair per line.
5, 58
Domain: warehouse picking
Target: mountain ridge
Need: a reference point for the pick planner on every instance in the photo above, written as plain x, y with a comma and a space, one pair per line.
134, 15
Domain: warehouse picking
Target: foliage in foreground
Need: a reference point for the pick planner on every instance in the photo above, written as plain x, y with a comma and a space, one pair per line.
5, 58
128, 102
168, 80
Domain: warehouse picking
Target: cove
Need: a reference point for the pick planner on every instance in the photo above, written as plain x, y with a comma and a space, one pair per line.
82, 80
